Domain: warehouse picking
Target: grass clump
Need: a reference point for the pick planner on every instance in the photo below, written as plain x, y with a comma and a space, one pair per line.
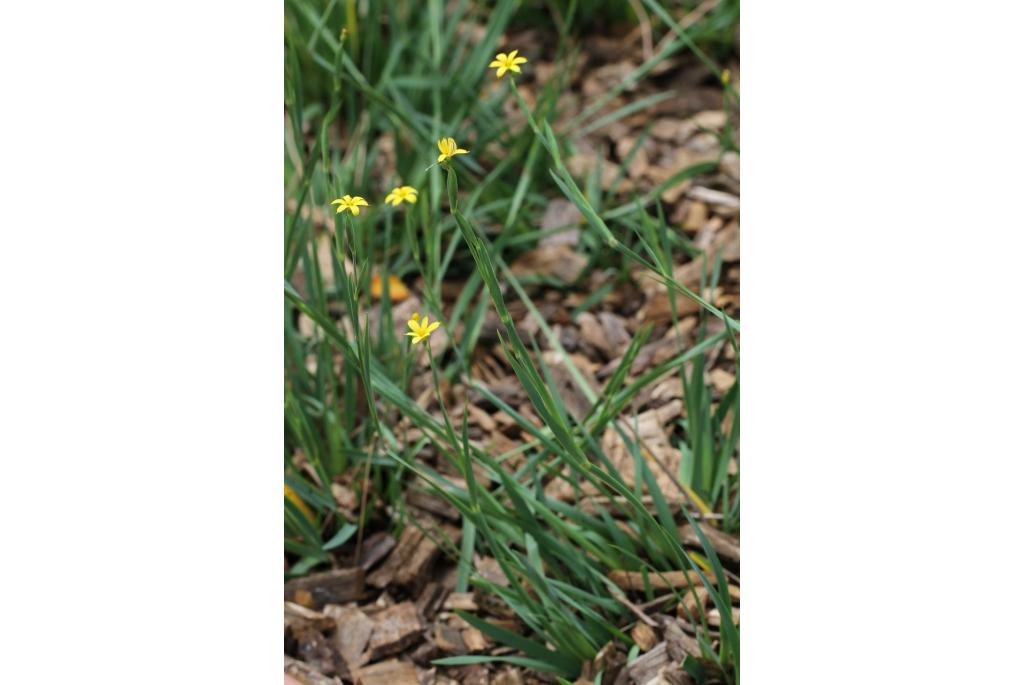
364, 95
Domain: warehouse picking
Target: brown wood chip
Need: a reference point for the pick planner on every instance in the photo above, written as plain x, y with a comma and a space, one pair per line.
430, 599
715, 617
508, 676
726, 546
429, 502
714, 197
644, 637
646, 667
375, 548
331, 587
693, 605
295, 614
394, 629
559, 261
460, 600
306, 674
634, 580
474, 639
561, 213
721, 380
449, 639
391, 672
353, 633
310, 645
411, 559
680, 644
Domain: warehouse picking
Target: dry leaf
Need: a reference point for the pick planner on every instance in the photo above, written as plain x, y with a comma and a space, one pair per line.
559, 261
396, 289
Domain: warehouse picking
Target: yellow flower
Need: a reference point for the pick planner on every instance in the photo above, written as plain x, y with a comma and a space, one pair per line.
449, 149
726, 77
509, 62
350, 203
421, 330
402, 194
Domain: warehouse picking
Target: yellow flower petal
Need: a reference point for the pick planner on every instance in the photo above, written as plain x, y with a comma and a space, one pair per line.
432, 327
495, 63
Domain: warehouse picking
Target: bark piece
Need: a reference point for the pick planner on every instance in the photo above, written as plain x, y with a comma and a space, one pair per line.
644, 637
421, 499
395, 629
306, 674
472, 674
616, 335
558, 214
310, 645
430, 599
375, 548
696, 216
508, 676
411, 559
391, 672
449, 639
353, 633
460, 600
559, 261
474, 639
425, 653
721, 380
693, 605
714, 197
482, 418
296, 614
645, 668
670, 675
608, 660
715, 617
726, 546
634, 580
331, 587
680, 644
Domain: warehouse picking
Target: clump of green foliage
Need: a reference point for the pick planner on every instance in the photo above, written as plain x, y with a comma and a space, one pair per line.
395, 88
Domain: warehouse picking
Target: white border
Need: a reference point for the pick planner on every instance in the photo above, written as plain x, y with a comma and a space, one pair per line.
881, 367
142, 214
